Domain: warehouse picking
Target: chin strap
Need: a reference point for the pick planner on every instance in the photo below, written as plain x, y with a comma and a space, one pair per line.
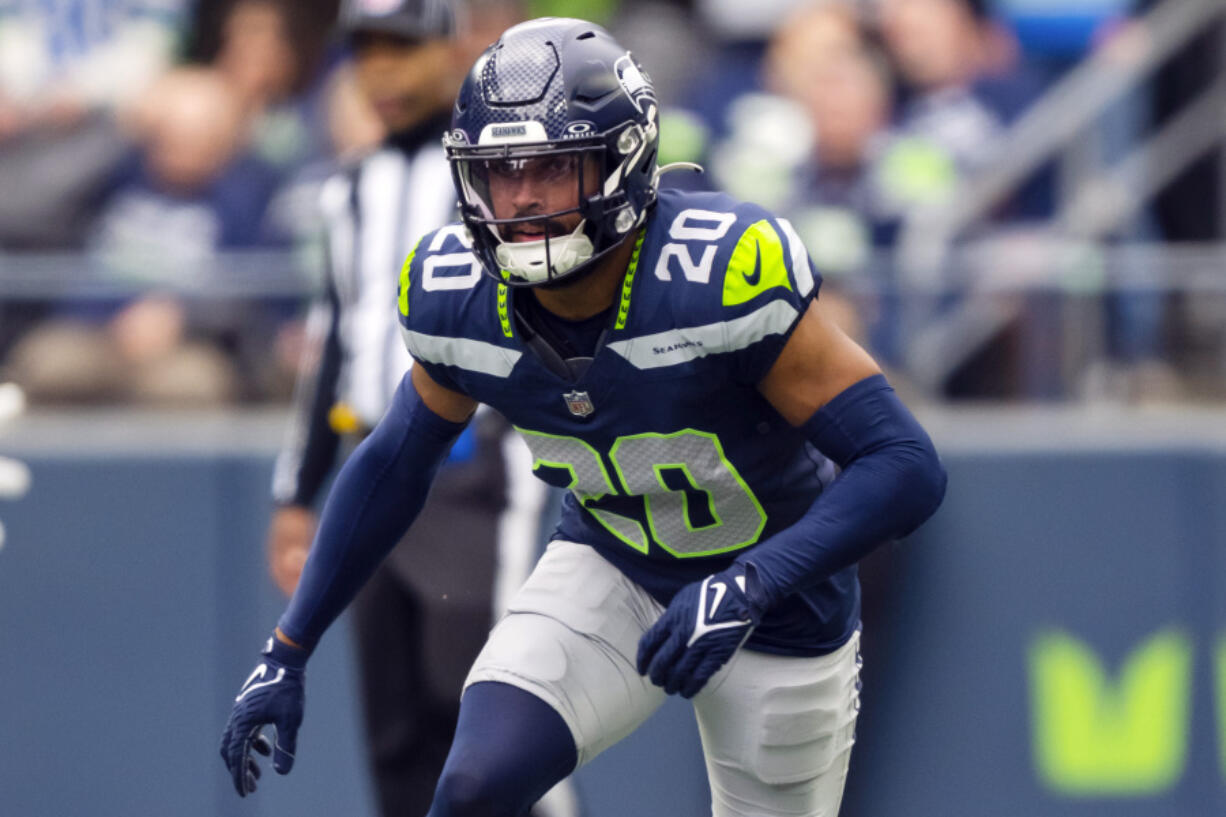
530, 260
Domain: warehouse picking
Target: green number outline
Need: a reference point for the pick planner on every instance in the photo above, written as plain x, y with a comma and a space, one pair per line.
620, 488
643, 544
736, 475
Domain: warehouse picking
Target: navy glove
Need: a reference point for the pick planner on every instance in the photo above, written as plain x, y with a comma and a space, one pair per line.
705, 623
272, 694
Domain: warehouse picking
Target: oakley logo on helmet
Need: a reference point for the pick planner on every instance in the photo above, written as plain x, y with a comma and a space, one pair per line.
579, 128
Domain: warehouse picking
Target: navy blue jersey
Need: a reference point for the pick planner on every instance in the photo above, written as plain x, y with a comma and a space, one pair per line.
673, 460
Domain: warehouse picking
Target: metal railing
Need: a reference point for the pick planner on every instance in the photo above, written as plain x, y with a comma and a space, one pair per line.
1096, 200
250, 274
1053, 301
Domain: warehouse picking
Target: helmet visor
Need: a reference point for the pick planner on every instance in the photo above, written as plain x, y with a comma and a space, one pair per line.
528, 193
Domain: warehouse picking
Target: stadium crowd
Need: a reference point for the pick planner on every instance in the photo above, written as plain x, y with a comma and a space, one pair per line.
149, 141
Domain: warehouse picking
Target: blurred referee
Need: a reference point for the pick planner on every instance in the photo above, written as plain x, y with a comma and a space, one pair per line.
424, 616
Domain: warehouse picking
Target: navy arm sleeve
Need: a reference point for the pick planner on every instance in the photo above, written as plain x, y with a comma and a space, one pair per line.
377, 495
892, 481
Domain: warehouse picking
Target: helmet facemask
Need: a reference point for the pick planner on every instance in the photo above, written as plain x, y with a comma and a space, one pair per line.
594, 167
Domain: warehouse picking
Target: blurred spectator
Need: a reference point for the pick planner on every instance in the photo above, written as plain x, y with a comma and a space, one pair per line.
68, 68
68, 71
192, 188
812, 149
849, 142
272, 51
62, 58
939, 48
189, 192
961, 84
769, 133
820, 61
275, 53
140, 353
847, 202
738, 21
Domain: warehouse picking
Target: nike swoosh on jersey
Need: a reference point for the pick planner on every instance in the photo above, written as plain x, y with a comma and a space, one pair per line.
754, 278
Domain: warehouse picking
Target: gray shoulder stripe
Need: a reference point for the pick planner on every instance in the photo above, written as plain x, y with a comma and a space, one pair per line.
692, 342
465, 353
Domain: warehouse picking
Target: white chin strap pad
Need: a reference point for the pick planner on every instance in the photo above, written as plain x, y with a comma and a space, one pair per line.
527, 259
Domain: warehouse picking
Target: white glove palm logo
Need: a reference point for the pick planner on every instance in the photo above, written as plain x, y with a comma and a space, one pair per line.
710, 617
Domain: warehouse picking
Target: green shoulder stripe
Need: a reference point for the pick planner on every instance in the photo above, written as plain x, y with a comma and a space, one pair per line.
404, 280
757, 265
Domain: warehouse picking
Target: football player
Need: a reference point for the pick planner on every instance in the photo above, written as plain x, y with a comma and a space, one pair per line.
729, 454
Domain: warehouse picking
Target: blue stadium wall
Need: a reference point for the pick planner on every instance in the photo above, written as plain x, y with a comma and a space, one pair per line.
1052, 643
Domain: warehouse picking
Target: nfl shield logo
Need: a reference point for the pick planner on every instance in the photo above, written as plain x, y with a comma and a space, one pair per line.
579, 403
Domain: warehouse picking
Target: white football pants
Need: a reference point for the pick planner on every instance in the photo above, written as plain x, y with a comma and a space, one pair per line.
777, 731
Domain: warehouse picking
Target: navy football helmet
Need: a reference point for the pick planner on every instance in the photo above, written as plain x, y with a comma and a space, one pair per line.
560, 98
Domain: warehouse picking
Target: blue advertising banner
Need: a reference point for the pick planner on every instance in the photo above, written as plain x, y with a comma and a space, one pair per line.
1052, 643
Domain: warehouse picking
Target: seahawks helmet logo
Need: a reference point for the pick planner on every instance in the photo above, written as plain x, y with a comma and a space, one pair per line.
634, 82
